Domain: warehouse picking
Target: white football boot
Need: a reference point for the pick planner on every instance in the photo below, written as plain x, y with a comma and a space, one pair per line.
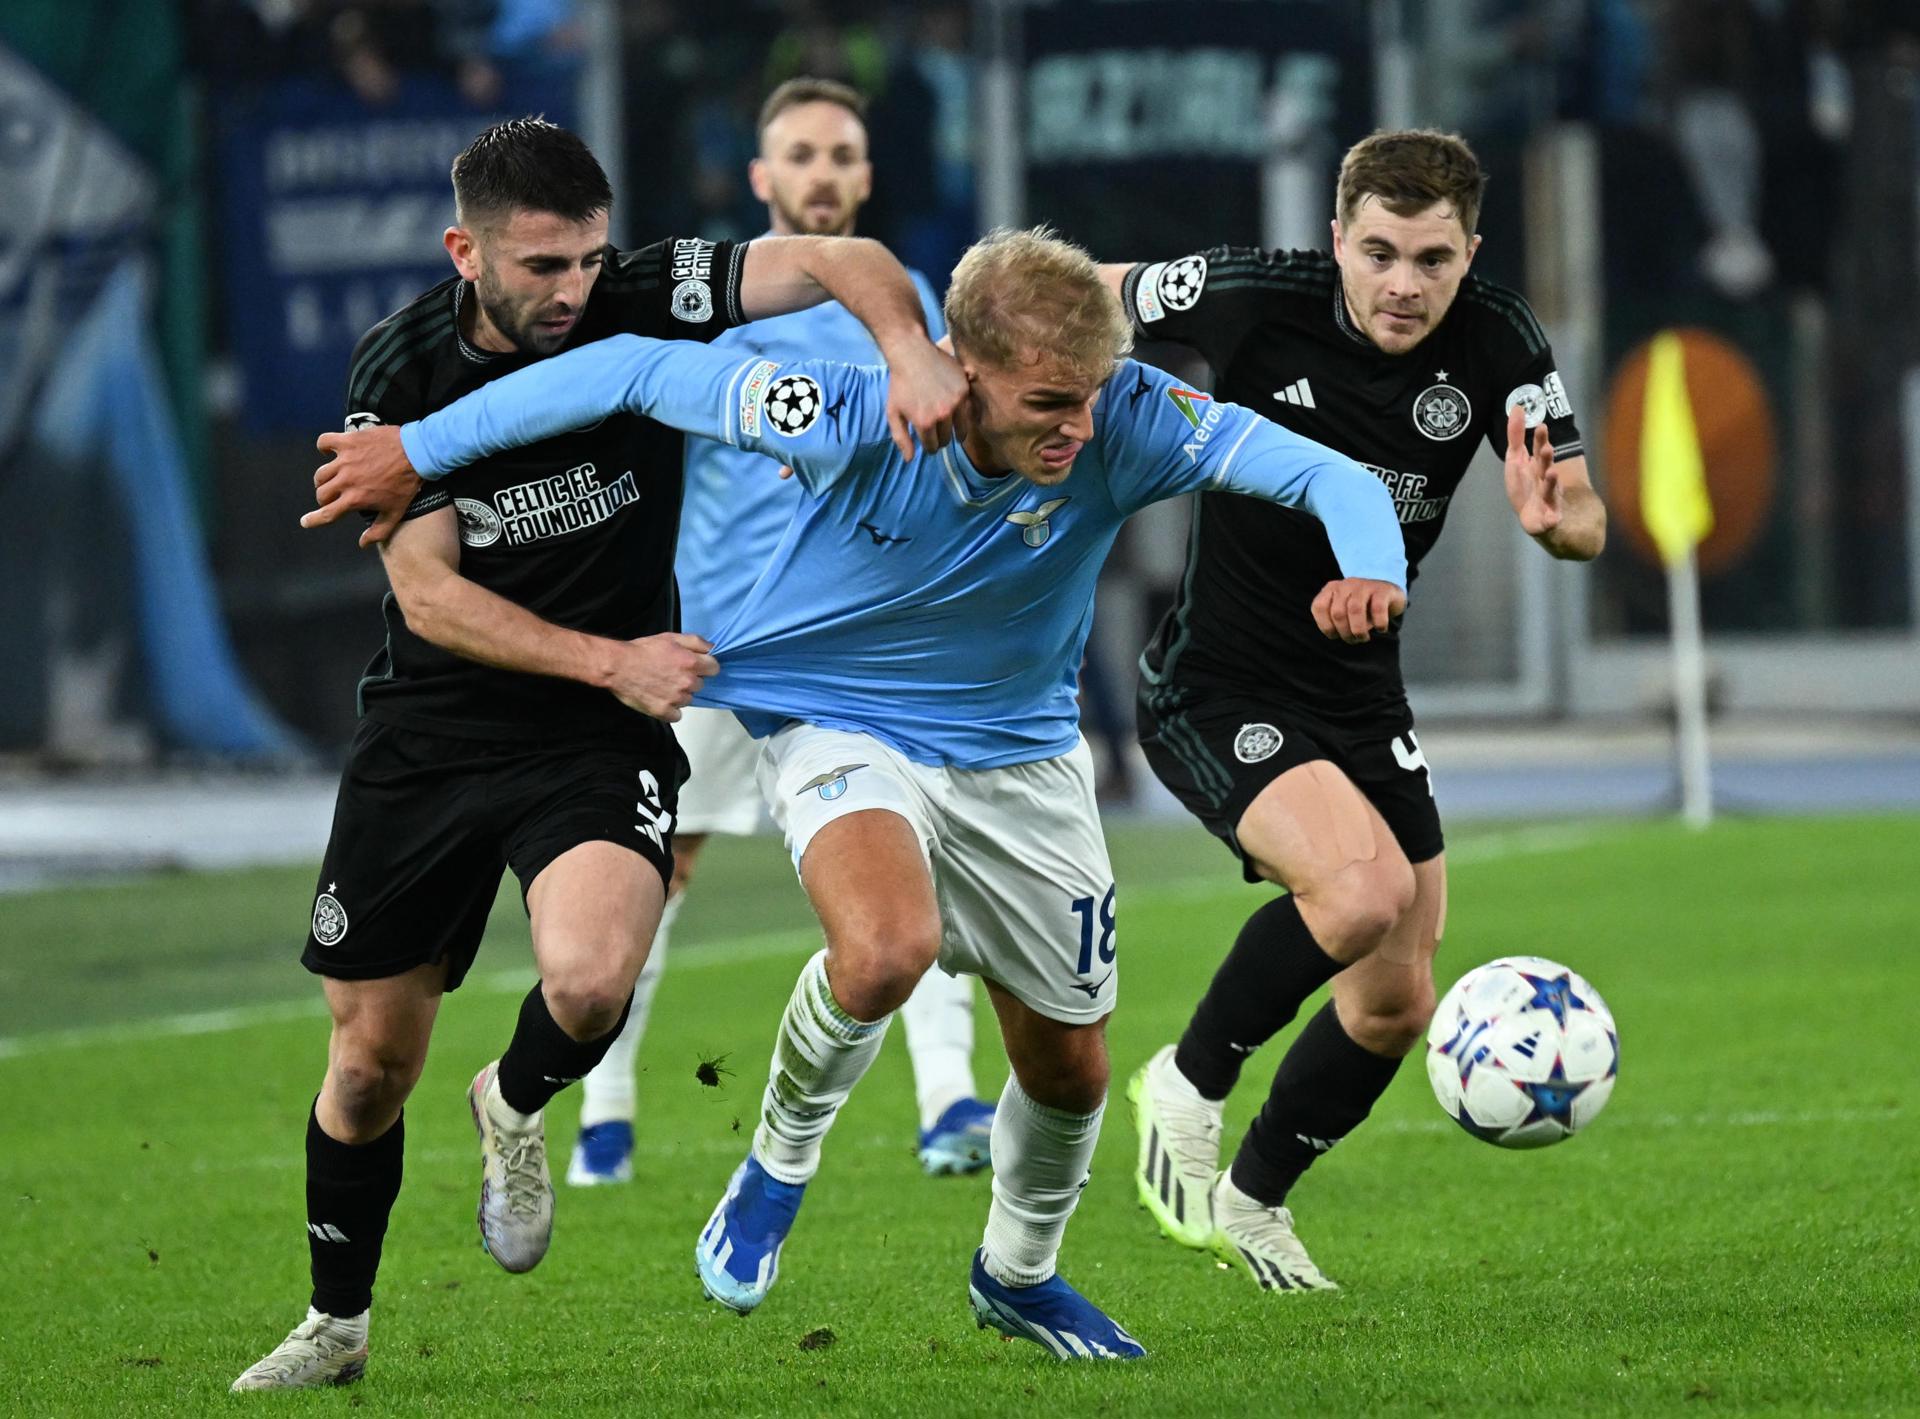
322, 1350
1260, 1241
516, 1194
1179, 1150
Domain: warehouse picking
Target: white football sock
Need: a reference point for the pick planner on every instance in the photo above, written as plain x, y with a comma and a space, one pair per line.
607, 1093
938, 1017
818, 1056
1040, 1162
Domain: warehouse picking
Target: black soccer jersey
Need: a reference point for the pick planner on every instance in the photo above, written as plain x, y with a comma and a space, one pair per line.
579, 529
1276, 330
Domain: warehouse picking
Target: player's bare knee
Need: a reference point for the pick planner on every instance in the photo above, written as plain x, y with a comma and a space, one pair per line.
1066, 1070
368, 1086
1352, 912
1391, 1036
874, 967
587, 1002
1393, 1023
874, 985
1077, 1086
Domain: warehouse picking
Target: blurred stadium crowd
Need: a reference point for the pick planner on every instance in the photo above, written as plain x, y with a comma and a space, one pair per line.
263, 189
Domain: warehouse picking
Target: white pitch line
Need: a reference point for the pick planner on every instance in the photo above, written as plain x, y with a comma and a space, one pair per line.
726, 952
643, 1147
1564, 837
668, 1149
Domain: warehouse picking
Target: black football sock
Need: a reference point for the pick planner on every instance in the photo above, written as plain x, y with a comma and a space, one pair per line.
542, 1059
1322, 1091
1275, 964
350, 1193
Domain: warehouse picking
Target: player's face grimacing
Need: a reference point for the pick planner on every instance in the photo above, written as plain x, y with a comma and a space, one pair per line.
812, 171
1031, 418
533, 272
1400, 274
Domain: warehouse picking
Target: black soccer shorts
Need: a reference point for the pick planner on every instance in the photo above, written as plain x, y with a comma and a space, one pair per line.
1216, 749
425, 824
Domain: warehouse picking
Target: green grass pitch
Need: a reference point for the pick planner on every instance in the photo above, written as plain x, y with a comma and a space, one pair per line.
1737, 1233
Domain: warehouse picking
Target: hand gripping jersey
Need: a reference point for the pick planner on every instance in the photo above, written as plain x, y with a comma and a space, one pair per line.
736, 506
1276, 329
577, 527
916, 600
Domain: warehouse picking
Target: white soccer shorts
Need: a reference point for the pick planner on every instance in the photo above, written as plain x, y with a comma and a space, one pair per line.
722, 796
1019, 863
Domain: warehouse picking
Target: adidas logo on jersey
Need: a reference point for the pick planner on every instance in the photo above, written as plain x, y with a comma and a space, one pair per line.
1299, 392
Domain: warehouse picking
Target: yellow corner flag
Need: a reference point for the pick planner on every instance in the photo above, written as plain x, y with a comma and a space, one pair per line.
1673, 476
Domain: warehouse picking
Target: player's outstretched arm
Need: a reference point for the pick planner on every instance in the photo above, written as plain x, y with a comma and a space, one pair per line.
1172, 440
785, 274
1361, 524
657, 675
818, 416
1555, 502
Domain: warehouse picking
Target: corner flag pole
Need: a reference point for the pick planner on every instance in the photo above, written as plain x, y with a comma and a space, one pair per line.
1678, 515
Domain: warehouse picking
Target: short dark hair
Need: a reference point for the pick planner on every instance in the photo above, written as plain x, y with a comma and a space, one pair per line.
1410, 169
795, 92
528, 164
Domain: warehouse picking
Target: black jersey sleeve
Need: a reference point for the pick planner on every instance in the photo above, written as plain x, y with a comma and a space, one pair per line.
1530, 376
1207, 301
682, 288
386, 382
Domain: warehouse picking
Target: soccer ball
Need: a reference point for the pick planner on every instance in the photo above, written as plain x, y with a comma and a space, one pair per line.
793, 403
1522, 1052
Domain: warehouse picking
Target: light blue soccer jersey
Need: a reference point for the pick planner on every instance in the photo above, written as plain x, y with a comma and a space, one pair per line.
736, 507
941, 611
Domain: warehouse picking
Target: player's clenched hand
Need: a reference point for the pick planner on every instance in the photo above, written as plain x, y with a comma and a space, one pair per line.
925, 387
368, 473
659, 675
1532, 486
1354, 609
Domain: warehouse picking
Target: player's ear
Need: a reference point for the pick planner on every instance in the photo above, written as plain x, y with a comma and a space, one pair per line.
866, 184
464, 250
759, 181
1335, 224
1473, 245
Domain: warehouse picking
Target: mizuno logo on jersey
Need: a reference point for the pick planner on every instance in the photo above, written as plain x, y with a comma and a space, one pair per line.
1299, 392
880, 539
1093, 989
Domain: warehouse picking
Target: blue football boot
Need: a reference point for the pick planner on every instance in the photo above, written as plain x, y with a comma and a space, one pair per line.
960, 1141
738, 1255
602, 1154
1052, 1314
